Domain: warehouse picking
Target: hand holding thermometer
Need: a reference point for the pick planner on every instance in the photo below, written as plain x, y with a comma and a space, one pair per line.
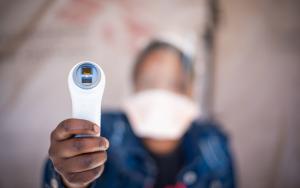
86, 85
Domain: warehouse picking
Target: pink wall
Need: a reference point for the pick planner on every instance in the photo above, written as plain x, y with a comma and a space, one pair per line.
256, 77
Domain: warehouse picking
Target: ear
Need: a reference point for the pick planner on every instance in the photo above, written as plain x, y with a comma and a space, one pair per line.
190, 89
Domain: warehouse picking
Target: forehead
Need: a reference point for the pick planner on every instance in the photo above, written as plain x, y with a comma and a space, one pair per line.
161, 59
160, 69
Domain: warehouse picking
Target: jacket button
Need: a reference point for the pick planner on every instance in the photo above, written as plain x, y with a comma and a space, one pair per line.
54, 183
189, 177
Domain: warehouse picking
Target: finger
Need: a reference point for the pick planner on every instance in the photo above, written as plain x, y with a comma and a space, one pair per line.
77, 146
70, 127
84, 178
84, 162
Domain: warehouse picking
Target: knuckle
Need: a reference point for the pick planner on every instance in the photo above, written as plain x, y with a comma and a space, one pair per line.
98, 171
64, 124
77, 179
71, 177
88, 126
87, 161
58, 167
78, 144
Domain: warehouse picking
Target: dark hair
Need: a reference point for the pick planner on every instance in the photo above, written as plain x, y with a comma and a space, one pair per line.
186, 62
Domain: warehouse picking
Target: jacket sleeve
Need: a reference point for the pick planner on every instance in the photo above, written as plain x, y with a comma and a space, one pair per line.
218, 157
51, 179
216, 160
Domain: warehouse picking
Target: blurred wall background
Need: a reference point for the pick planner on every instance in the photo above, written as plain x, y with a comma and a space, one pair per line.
256, 75
257, 89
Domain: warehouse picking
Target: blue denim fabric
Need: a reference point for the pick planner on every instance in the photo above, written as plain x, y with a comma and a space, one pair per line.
208, 160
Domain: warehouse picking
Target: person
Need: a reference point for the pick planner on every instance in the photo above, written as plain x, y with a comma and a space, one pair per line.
156, 140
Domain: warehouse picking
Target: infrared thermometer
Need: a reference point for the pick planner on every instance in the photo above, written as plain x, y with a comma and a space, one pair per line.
86, 85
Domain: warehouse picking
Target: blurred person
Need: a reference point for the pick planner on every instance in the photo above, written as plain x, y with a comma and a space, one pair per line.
156, 140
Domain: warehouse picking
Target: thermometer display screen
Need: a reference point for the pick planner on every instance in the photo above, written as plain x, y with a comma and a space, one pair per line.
87, 80
86, 70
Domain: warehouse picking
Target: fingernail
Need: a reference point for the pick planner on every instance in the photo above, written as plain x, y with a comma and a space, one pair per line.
96, 128
104, 145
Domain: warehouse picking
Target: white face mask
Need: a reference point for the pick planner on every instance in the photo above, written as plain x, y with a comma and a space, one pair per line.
160, 114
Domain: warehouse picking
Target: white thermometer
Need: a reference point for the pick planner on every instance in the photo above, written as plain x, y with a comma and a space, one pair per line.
86, 85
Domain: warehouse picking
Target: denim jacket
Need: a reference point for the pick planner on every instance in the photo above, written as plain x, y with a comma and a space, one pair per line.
208, 160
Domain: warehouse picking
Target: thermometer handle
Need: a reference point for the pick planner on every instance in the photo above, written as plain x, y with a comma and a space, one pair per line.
88, 108
86, 83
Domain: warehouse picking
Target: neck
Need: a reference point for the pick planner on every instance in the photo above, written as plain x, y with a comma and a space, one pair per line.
160, 147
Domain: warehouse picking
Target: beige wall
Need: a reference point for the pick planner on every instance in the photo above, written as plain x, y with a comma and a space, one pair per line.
257, 89
256, 79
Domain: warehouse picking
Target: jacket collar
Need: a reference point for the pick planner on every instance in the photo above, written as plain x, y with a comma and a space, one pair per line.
134, 160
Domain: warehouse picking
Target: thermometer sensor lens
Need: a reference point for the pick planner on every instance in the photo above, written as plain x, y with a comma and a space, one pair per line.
86, 76
86, 70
